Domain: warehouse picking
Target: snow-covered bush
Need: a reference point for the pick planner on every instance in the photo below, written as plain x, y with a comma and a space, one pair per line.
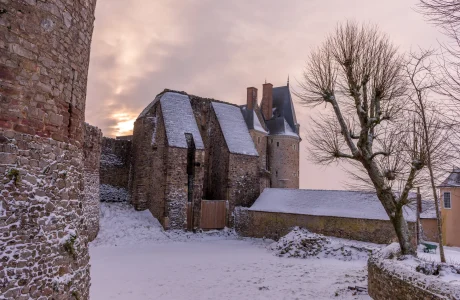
304, 244
437, 268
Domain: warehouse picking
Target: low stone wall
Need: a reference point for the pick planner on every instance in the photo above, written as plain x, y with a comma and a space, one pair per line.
275, 225
115, 170
92, 157
387, 279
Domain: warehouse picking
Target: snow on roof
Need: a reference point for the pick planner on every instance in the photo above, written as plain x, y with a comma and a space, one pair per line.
257, 125
234, 128
453, 180
179, 120
347, 204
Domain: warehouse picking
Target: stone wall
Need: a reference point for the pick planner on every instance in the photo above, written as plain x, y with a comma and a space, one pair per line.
115, 170
92, 157
283, 157
176, 192
148, 165
218, 162
387, 279
43, 233
44, 59
243, 182
275, 225
260, 141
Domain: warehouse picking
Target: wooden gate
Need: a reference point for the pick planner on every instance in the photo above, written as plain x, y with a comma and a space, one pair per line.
213, 214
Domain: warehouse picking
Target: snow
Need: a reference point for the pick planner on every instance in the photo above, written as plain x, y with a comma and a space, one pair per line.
110, 159
179, 119
302, 243
347, 204
414, 269
288, 130
112, 193
133, 258
257, 125
234, 128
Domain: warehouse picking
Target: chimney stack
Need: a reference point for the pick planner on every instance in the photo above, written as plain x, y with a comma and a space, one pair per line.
251, 98
267, 101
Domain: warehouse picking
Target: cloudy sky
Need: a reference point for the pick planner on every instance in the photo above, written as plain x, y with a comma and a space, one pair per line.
217, 48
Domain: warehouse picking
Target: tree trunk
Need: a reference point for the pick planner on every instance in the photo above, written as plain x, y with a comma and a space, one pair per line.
402, 231
438, 213
393, 209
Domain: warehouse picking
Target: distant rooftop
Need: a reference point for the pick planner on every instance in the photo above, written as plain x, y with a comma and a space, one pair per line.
346, 204
453, 180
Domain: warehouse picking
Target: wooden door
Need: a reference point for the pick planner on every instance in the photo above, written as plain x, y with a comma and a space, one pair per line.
213, 214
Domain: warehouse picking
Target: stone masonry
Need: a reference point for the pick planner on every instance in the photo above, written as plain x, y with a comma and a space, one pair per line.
115, 170
388, 279
170, 178
44, 58
92, 157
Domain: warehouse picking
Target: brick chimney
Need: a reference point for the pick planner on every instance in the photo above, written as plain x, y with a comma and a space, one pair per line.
251, 98
267, 101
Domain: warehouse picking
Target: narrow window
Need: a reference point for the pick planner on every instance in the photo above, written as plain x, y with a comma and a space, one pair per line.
271, 141
294, 146
258, 139
447, 202
277, 144
276, 173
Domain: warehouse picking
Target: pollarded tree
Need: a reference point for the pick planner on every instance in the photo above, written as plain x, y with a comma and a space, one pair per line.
358, 75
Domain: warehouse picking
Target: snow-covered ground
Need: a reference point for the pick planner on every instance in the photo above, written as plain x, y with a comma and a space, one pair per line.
133, 258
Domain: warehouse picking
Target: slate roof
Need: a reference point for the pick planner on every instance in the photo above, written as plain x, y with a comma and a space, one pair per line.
179, 120
453, 180
234, 128
284, 120
347, 204
252, 120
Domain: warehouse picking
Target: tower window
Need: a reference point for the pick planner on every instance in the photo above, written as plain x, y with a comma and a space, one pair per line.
258, 140
294, 146
276, 173
277, 144
447, 202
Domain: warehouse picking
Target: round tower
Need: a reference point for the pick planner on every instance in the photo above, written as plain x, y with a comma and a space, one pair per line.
283, 161
44, 59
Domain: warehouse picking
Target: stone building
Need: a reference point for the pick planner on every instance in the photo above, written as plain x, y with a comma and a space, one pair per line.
194, 159
44, 58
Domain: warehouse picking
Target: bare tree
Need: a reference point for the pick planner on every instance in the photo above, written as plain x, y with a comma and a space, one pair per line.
446, 15
359, 75
432, 129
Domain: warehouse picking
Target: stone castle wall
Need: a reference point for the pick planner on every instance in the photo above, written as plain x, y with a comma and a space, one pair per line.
148, 166
275, 225
283, 157
115, 169
92, 157
44, 59
44, 236
260, 141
